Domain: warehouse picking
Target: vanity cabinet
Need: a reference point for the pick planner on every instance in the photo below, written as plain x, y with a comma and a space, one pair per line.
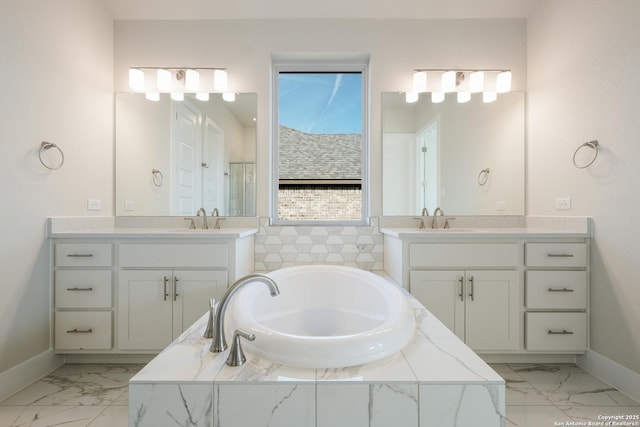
130, 295
556, 297
480, 305
156, 305
82, 295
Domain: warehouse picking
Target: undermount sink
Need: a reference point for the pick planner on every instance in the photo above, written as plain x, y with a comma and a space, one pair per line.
325, 317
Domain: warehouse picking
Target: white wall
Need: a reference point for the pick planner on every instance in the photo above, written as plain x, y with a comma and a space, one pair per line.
583, 68
55, 85
396, 48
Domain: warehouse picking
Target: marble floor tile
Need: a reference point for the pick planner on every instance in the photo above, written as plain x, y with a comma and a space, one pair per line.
598, 413
501, 367
111, 417
45, 416
526, 397
8, 414
534, 416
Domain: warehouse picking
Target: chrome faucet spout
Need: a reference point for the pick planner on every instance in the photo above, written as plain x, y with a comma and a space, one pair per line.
425, 212
219, 343
434, 222
204, 217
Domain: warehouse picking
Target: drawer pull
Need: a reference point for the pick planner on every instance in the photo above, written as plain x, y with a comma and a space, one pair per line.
551, 255
80, 255
560, 290
80, 289
80, 331
563, 332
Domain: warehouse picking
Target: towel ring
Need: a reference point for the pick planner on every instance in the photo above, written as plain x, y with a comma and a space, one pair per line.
483, 176
47, 146
591, 144
158, 178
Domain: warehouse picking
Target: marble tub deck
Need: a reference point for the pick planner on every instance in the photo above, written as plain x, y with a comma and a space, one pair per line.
435, 381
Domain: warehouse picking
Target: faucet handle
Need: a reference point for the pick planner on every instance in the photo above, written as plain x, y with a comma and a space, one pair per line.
217, 224
446, 222
192, 226
208, 332
236, 355
421, 223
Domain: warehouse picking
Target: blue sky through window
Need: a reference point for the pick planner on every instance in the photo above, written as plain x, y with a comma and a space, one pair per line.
321, 102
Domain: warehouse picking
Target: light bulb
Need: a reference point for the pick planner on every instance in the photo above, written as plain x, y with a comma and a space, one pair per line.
503, 82
437, 97
202, 96
136, 79
419, 82
476, 81
220, 80
164, 80
448, 81
192, 80
229, 96
152, 96
489, 96
177, 96
464, 97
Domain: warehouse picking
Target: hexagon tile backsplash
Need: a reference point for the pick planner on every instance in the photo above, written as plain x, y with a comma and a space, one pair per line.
285, 246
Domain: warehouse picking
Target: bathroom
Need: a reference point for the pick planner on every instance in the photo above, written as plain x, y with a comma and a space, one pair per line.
576, 61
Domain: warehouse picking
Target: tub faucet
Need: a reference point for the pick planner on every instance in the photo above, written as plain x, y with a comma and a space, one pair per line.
434, 222
219, 343
204, 217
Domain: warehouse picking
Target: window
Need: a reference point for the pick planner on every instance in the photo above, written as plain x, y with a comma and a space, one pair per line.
320, 144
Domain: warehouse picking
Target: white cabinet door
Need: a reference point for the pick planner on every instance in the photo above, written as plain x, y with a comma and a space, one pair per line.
191, 294
144, 309
442, 293
492, 314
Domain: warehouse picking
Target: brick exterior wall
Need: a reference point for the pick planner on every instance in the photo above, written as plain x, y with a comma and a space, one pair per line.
310, 202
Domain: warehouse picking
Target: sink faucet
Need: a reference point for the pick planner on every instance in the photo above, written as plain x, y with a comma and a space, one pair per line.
204, 217
215, 212
425, 213
434, 222
219, 343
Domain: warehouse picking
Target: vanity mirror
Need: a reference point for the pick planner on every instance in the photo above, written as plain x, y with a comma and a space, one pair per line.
467, 158
175, 157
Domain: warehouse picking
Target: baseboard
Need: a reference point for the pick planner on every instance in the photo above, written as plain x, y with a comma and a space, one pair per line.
528, 358
614, 374
26, 373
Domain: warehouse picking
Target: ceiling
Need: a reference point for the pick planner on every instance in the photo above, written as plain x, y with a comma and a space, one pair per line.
301, 9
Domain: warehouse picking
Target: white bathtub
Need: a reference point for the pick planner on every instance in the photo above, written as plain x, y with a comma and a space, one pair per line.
325, 317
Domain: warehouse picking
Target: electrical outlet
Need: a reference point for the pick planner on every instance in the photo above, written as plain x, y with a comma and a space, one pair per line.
501, 206
129, 205
563, 203
94, 204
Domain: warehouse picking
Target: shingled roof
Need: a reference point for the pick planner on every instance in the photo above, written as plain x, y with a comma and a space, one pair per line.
305, 156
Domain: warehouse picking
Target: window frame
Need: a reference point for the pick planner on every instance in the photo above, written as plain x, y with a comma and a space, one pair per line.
359, 66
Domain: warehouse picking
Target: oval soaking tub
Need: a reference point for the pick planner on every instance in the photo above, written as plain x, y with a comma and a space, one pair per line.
325, 317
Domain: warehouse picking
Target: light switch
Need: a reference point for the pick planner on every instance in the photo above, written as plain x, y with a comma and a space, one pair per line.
563, 203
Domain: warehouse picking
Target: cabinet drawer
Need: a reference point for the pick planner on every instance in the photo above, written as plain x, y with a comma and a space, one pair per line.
83, 255
463, 255
83, 289
173, 255
83, 330
556, 254
556, 332
556, 290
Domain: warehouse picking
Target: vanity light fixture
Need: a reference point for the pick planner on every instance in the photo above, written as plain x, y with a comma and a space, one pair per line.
464, 82
152, 96
229, 96
177, 81
202, 96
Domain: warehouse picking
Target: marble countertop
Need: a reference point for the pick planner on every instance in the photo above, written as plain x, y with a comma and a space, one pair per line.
155, 233
434, 356
482, 233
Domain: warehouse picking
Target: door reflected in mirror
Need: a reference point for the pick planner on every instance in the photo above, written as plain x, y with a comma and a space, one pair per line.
467, 158
175, 157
